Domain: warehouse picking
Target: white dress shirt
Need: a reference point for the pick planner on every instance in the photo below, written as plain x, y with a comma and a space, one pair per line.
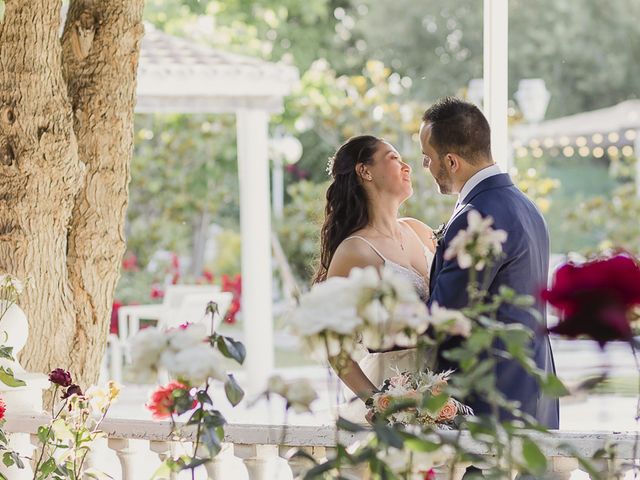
473, 182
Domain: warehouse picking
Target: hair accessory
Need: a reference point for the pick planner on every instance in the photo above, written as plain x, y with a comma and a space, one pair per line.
329, 168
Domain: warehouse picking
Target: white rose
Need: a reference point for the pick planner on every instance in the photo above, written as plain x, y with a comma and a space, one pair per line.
146, 347
364, 278
98, 399
329, 305
184, 338
194, 365
276, 384
452, 322
375, 313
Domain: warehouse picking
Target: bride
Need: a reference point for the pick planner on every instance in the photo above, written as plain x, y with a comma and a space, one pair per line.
362, 228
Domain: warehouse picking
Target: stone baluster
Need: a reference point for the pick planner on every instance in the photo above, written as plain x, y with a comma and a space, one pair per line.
298, 463
263, 462
226, 465
125, 455
26, 399
164, 450
562, 467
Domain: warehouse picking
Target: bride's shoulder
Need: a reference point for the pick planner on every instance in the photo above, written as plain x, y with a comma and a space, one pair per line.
424, 231
352, 253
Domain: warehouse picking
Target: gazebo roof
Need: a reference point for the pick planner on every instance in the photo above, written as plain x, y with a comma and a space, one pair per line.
178, 75
616, 125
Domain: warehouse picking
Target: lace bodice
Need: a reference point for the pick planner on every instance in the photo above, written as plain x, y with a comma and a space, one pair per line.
420, 283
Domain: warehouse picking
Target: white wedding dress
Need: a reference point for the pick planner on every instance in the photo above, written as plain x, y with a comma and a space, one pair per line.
382, 365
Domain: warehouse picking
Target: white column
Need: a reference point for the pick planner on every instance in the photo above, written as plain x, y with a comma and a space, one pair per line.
496, 75
255, 224
278, 187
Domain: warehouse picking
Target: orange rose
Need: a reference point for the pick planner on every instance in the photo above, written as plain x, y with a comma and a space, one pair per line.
383, 402
437, 388
448, 412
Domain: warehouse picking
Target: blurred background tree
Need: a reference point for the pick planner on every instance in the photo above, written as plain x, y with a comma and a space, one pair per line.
370, 66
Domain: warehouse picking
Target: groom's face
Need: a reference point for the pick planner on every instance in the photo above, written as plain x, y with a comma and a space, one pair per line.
432, 161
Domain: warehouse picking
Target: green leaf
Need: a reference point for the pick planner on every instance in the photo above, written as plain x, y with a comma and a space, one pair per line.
534, 458
231, 348
553, 387
211, 440
418, 444
433, 404
347, 426
47, 467
44, 433
319, 470
388, 435
6, 377
204, 398
234, 392
6, 352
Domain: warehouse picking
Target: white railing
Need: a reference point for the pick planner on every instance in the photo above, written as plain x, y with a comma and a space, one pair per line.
261, 452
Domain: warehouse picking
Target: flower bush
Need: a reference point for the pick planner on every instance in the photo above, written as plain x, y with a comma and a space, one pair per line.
382, 312
194, 360
75, 426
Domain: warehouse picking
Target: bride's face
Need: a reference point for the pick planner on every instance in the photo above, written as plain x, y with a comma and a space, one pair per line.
389, 174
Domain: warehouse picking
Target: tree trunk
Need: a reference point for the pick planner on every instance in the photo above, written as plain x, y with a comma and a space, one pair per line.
66, 131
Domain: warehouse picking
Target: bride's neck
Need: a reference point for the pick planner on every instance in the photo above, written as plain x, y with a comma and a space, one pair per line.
384, 216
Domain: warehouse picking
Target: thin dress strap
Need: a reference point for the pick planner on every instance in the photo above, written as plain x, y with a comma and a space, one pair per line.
370, 244
425, 250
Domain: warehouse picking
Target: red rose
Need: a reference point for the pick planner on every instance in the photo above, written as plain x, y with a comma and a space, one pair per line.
3, 409
60, 377
595, 298
163, 401
72, 390
428, 474
130, 263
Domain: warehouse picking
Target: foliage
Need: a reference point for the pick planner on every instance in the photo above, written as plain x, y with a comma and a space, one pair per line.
73, 430
299, 228
183, 172
613, 220
194, 363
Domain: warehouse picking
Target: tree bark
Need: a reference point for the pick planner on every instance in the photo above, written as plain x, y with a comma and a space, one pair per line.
66, 129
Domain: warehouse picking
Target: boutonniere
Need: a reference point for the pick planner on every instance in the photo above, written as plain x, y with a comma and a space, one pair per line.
438, 234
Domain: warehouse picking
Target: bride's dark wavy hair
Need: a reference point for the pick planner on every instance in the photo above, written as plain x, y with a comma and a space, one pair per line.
346, 209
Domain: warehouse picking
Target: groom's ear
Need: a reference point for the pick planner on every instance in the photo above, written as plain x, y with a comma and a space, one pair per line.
453, 161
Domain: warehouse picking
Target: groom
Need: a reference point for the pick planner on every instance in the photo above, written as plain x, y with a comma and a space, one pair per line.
456, 146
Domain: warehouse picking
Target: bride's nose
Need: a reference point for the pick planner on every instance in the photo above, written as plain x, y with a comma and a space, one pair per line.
406, 167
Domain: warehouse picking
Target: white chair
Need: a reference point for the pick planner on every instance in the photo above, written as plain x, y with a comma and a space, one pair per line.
129, 317
193, 307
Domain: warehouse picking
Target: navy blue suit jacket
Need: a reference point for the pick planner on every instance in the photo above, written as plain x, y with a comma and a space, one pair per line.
523, 267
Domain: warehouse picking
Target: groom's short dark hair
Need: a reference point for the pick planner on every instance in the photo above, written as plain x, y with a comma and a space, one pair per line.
459, 127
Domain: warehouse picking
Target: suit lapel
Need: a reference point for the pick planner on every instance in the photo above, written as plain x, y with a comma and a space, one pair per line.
495, 181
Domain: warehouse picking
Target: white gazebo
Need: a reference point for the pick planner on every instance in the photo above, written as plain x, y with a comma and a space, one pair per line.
177, 76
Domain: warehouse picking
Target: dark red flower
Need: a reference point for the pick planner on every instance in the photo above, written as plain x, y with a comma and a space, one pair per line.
113, 328
595, 298
3, 409
156, 292
60, 377
428, 474
72, 390
130, 262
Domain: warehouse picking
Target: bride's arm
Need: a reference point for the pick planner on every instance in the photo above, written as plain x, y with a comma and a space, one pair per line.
351, 254
354, 378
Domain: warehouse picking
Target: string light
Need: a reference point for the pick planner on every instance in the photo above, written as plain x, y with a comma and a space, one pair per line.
598, 152
613, 137
581, 141
548, 142
612, 151
597, 138
630, 135
568, 151
583, 151
627, 151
